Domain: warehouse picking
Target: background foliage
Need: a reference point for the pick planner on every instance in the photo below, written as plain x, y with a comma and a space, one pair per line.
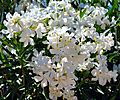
16, 81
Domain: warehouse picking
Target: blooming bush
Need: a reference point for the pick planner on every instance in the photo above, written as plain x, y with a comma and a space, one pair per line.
56, 45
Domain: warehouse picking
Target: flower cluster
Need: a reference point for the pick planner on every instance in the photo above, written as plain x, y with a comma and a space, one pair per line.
70, 38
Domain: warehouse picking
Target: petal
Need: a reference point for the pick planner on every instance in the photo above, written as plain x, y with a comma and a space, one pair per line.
102, 81
44, 83
38, 78
25, 43
31, 41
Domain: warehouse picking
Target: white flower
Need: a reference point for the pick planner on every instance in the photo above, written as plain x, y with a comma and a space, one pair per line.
41, 61
75, 60
42, 78
12, 23
104, 42
87, 65
26, 37
54, 93
103, 75
13, 19
69, 95
102, 60
61, 78
113, 22
88, 48
22, 5
117, 68
74, 42
40, 30
105, 22
113, 74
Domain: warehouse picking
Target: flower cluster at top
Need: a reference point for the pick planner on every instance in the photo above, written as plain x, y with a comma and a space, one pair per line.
71, 39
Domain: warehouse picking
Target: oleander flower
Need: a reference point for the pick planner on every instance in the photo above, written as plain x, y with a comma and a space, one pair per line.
73, 43
103, 75
40, 30
12, 23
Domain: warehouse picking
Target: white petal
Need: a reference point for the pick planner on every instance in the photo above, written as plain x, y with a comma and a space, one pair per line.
44, 83
38, 78
102, 81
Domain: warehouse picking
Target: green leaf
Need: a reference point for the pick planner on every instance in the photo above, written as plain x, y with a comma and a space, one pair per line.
115, 4
82, 13
114, 7
118, 24
112, 56
113, 98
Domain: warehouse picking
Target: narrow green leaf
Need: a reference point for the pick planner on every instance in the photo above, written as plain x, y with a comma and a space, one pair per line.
82, 13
